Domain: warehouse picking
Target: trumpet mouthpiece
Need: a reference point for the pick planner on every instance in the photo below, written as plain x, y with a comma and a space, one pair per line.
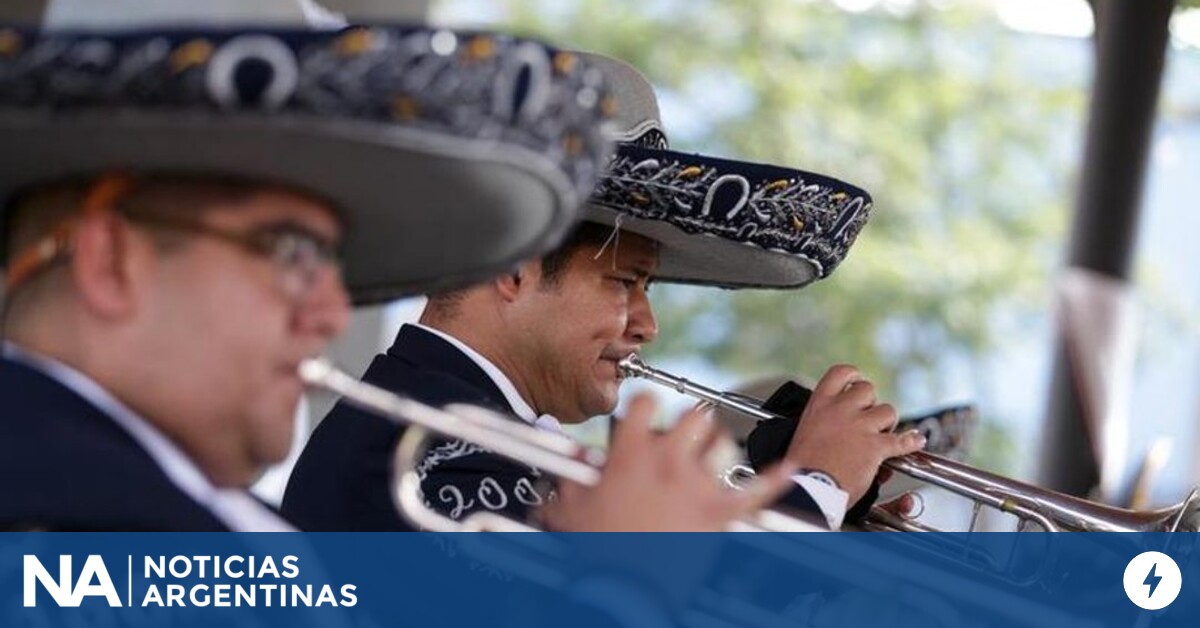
631, 365
313, 371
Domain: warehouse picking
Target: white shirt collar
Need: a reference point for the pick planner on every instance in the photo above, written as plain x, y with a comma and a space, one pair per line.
520, 407
233, 507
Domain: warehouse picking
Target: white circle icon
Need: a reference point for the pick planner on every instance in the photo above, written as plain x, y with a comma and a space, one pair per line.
1152, 580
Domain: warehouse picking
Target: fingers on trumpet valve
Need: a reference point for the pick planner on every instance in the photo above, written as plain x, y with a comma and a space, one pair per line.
839, 379
909, 505
908, 442
662, 481
844, 385
882, 417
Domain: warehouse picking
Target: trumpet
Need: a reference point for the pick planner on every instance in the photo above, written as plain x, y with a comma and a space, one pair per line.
1049, 510
552, 453
539, 558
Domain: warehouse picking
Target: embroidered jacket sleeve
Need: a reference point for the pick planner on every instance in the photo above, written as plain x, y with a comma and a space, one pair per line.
459, 479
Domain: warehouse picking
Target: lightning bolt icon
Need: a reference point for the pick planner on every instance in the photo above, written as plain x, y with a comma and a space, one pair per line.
1152, 580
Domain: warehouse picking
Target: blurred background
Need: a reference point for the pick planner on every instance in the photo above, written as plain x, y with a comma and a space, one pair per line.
966, 119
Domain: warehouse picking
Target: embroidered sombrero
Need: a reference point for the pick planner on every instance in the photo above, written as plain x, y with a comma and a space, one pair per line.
453, 155
719, 222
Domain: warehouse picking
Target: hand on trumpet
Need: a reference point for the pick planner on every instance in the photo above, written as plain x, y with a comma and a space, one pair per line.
906, 505
661, 482
844, 433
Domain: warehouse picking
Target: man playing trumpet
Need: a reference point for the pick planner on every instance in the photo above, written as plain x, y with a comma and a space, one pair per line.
543, 341
169, 240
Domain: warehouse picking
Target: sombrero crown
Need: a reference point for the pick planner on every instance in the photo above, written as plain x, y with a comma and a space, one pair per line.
719, 222
452, 154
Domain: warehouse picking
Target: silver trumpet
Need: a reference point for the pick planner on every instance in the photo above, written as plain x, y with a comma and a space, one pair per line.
539, 558
1048, 510
552, 453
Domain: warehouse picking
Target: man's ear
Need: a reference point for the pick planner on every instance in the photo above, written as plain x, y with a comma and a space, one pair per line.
100, 266
520, 278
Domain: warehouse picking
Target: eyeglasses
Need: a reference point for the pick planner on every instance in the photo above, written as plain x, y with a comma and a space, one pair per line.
300, 254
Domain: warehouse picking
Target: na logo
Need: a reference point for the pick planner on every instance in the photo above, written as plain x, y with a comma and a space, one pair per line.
93, 581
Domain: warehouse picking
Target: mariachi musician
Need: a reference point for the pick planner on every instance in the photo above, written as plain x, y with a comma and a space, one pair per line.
543, 341
184, 195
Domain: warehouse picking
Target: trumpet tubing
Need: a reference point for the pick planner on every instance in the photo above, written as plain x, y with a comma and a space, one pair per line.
1048, 509
552, 453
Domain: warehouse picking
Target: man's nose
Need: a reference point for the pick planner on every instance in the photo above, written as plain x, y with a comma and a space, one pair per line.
641, 327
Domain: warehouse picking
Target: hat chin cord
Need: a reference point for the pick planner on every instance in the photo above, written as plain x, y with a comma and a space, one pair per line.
614, 239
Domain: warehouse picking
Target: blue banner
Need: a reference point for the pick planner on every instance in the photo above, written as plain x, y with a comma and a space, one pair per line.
366, 580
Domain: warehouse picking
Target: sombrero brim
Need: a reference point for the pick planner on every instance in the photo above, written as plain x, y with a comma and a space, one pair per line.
452, 156
424, 212
729, 223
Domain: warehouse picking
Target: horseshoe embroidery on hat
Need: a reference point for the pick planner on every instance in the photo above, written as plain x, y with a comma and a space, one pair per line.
405, 79
652, 138
790, 212
644, 165
510, 101
222, 78
743, 194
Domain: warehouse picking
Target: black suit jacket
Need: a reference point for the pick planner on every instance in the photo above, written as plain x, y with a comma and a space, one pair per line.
65, 465
343, 479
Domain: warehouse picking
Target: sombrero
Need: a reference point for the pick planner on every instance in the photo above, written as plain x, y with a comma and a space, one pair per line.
719, 222
452, 155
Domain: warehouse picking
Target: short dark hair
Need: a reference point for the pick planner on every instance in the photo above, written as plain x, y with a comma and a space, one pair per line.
445, 305
586, 235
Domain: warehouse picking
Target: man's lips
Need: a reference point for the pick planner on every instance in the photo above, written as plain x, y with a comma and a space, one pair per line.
614, 357
291, 367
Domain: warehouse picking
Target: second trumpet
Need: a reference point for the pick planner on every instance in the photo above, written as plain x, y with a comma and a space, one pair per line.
1047, 509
